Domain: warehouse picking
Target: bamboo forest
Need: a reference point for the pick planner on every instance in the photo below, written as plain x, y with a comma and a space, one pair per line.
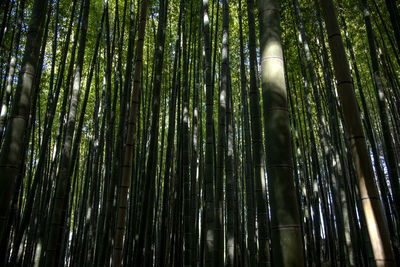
200, 133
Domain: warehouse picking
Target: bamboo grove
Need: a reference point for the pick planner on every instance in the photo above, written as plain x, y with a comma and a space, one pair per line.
199, 133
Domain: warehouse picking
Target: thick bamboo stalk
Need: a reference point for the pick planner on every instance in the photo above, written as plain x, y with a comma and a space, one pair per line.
286, 236
372, 206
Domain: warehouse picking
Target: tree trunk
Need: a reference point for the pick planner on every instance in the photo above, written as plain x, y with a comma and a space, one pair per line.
58, 215
287, 245
210, 246
130, 142
372, 207
11, 155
